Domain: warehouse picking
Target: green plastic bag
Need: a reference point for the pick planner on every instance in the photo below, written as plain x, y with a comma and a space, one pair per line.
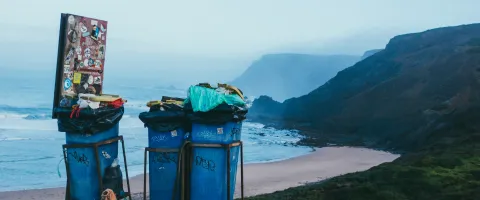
205, 99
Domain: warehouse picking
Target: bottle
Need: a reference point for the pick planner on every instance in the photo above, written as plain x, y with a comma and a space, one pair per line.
113, 179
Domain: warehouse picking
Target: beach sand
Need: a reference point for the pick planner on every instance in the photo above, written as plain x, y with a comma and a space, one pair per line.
263, 178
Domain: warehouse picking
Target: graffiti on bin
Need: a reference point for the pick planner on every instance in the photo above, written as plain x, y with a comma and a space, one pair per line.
164, 157
159, 138
80, 158
235, 131
206, 135
207, 164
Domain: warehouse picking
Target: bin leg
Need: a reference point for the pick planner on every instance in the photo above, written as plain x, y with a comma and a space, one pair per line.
99, 170
227, 147
228, 172
126, 168
145, 175
67, 190
241, 166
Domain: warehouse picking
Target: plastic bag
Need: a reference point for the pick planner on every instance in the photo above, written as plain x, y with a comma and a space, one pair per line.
165, 118
88, 121
204, 99
113, 178
221, 114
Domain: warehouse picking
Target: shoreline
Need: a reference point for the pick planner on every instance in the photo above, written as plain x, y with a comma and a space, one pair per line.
328, 140
261, 178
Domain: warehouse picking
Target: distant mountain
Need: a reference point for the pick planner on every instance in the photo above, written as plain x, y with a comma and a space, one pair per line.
390, 98
370, 52
283, 76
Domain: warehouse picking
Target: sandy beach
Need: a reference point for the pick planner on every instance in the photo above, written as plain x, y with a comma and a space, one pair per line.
263, 178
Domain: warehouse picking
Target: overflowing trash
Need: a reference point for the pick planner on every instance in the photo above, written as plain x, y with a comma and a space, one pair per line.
91, 121
215, 105
203, 97
175, 125
91, 114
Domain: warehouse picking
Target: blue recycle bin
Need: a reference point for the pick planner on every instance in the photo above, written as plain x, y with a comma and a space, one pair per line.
163, 165
86, 127
209, 165
165, 131
83, 177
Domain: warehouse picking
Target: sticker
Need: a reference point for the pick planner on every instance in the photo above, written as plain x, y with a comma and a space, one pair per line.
87, 53
106, 155
88, 41
220, 130
97, 80
94, 22
75, 64
70, 32
65, 102
98, 64
99, 35
71, 19
174, 133
78, 50
90, 79
67, 84
66, 69
86, 34
91, 62
79, 57
103, 37
77, 77
95, 31
102, 28
69, 57
83, 28
74, 37
101, 51
70, 75
70, 91
81, 64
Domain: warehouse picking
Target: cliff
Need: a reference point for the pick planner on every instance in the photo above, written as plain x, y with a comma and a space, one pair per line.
283, 76
419, 95
388, 99
370, 52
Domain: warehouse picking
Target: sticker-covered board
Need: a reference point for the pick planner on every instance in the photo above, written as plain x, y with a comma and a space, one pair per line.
81, 58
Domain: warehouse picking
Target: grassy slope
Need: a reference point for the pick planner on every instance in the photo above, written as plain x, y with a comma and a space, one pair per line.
446, 166
451, 174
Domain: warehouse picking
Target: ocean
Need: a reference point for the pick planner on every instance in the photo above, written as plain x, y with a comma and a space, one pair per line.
30, 144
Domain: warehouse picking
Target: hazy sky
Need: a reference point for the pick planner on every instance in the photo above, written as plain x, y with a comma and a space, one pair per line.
227, 27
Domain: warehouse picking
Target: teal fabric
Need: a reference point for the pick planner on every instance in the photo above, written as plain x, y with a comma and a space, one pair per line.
205, 99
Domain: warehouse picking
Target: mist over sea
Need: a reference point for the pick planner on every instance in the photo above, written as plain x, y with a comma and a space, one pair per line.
30, 145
